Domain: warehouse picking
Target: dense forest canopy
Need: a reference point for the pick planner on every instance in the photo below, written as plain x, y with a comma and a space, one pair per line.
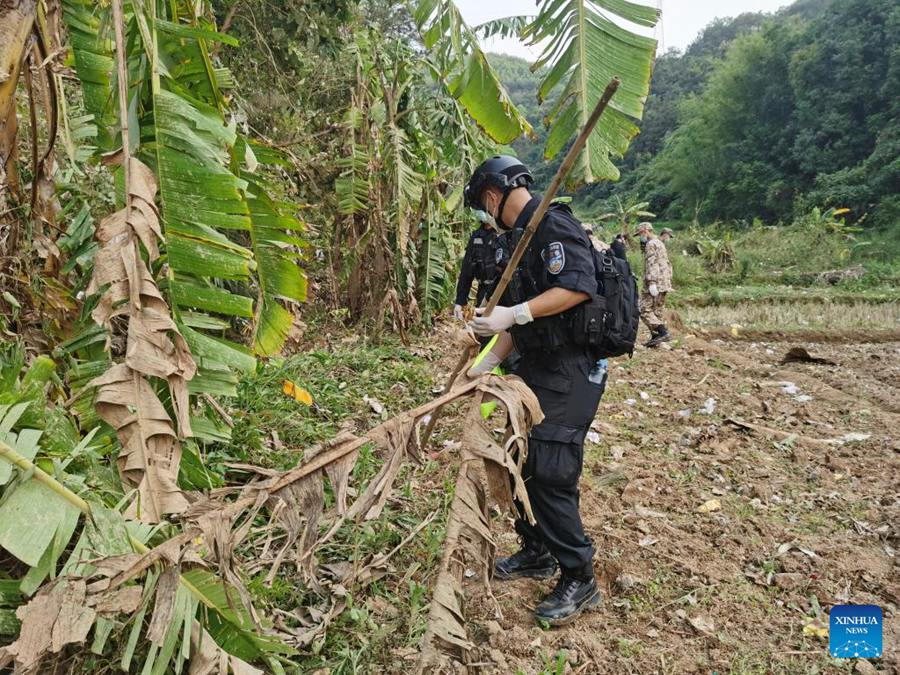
764, 116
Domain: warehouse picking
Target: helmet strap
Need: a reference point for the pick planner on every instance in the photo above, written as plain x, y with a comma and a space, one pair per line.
500, 221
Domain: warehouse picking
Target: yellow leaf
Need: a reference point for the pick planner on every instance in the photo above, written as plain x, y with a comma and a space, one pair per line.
734, 329
838, 212
815, 629
297, 393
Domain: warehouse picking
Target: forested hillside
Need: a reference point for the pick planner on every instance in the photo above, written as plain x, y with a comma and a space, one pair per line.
229, 234
764, 116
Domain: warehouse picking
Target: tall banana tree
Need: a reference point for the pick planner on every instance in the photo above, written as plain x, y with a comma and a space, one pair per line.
463, 68
223, 237
406, 145
16, 23
198, 251
585, 46
626, 214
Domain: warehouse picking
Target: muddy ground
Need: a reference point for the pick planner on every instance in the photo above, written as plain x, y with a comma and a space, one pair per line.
732, 500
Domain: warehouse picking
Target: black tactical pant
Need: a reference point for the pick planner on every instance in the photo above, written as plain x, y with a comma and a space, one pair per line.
556, 452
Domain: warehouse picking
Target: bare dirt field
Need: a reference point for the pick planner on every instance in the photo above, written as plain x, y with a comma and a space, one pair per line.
732, 500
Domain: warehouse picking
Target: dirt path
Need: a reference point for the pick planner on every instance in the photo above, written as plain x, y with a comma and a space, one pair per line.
799, 519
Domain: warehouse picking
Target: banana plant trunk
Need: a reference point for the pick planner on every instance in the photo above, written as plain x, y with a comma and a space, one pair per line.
16, 21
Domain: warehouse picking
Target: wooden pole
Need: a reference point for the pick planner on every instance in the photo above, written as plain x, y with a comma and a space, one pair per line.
530, 229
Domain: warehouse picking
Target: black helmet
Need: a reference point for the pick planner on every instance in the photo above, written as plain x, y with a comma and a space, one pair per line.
501, 171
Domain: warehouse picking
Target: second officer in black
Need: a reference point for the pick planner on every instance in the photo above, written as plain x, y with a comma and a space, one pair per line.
479, 263
536, 316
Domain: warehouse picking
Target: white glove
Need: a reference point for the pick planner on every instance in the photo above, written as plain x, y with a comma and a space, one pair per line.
654, 291
486, 365
458, 312
500, 319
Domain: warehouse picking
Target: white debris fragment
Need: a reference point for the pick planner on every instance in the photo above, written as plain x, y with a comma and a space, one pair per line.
644, 395
708, 407
789, 387
803, 398
686, 412
630, 401
593, 437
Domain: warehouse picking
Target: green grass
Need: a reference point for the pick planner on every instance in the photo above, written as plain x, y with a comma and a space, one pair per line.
778, 261
338, 379
772, 281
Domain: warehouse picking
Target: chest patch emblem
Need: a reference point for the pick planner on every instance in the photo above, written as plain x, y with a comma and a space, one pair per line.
478, 241
555, 257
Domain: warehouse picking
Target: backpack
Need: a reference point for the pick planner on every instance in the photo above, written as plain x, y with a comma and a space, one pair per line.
618, 287
608, 322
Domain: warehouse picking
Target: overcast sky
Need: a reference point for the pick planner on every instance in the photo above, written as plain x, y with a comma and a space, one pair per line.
681, 19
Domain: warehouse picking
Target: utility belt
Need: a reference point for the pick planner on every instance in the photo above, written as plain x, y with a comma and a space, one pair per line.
580, 329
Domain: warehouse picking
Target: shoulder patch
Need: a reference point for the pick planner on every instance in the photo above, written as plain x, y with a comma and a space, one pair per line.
555, 258
498, 256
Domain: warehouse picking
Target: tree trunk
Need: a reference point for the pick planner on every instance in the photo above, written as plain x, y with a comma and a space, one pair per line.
16, 21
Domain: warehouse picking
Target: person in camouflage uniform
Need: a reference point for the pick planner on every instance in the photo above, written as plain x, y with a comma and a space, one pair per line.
657, 282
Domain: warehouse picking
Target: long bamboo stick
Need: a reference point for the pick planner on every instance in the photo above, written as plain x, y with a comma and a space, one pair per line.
530, 229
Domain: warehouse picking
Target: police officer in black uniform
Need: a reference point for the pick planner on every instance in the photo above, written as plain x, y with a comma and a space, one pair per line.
556, 275
479, 263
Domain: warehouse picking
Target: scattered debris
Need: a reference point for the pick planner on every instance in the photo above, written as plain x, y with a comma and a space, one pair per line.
709, 506
297, 392
376, 405
703, 624
788, 387
709, 406
815, 628
800, 355
793, 546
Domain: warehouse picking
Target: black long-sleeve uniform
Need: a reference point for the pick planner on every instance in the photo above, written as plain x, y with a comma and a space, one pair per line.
479, 262
557, 371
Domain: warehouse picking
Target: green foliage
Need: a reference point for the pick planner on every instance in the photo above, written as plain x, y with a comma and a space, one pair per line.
210, 205
585, 49
405, 143
719, 264
797, 115
464, 69
42, 525
626, 216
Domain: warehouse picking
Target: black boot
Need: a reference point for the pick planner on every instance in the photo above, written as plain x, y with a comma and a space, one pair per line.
575, 592
532, 560
659, 336
653, 333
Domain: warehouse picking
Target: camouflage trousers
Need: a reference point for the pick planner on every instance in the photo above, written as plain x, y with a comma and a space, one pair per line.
652, 309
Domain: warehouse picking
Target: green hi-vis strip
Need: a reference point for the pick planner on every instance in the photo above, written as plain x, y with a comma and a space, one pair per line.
488, 408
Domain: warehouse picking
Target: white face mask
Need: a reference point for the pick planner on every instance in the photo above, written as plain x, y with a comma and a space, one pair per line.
485, 217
